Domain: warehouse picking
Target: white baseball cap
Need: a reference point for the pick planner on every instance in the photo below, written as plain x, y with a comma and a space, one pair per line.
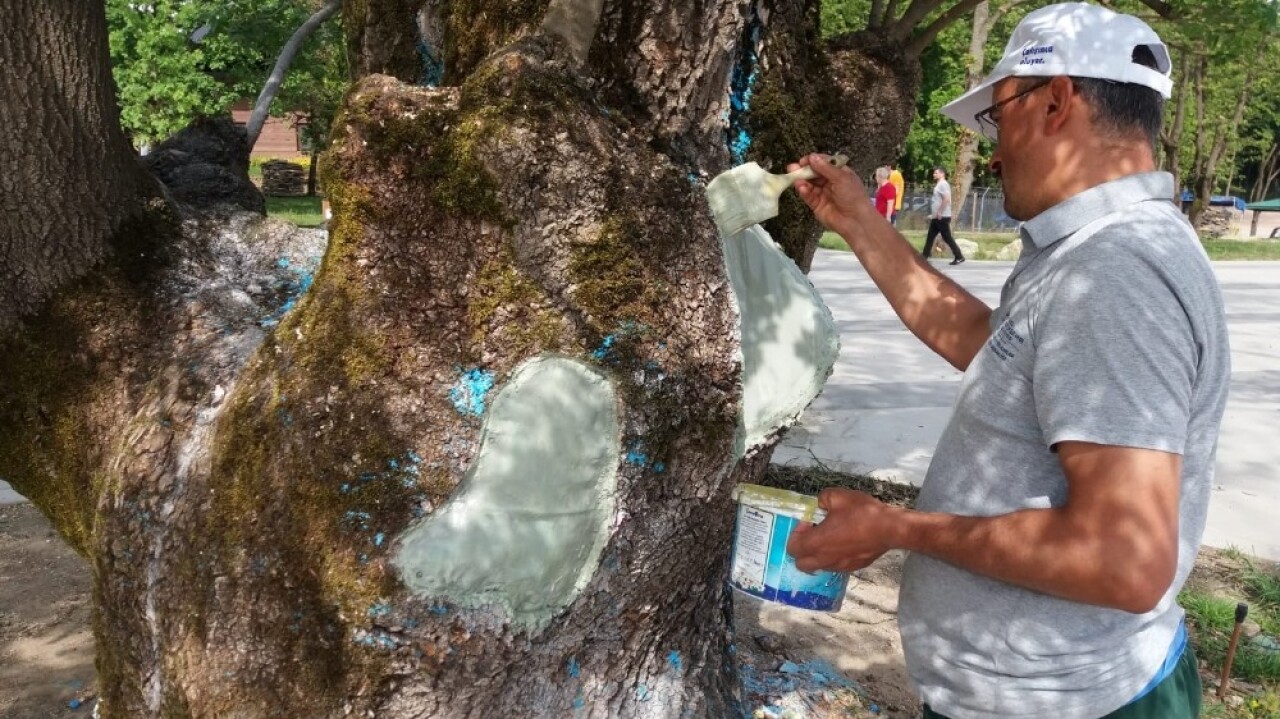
1075, 39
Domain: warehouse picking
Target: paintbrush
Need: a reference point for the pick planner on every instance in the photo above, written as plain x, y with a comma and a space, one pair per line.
748, 194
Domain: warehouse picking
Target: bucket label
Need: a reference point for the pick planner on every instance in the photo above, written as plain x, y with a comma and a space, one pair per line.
751, 551
762, 568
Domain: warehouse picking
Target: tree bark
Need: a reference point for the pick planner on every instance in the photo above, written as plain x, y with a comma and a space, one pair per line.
71, 184
241, 440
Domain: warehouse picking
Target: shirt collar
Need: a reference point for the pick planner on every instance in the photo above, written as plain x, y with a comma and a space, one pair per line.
1073, 213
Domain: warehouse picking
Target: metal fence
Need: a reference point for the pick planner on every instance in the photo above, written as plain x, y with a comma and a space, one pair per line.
983, 210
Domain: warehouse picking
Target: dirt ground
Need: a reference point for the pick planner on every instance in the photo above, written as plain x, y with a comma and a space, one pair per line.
46, 644
796, 664
832, 664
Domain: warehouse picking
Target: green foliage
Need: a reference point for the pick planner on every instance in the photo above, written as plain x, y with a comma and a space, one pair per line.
1212, 619
176, 60
933, 137
844, 16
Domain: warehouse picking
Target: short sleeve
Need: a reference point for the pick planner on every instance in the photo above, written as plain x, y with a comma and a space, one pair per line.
1116, 354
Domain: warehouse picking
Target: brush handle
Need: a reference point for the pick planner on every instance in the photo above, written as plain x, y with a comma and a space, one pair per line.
807, 173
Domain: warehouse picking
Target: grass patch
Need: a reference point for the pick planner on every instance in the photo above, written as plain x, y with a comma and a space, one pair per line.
301, 211
1220, 580
1242, 249
991, 243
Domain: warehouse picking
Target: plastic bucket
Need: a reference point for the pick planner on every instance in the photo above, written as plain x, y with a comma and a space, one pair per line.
761, 566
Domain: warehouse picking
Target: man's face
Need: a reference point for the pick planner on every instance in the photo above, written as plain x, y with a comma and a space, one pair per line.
937, 175
1013, 160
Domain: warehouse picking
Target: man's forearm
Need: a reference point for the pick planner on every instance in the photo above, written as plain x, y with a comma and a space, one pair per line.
1045, 550
939, 311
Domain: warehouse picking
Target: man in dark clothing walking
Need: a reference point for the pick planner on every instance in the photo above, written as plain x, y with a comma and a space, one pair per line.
940, 217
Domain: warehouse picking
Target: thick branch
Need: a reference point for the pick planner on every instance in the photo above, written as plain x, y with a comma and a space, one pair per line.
575, 22
1163, 9
1268, 170
877, 16
917, 11
922, 39
890, 11
1224, 133
269, 91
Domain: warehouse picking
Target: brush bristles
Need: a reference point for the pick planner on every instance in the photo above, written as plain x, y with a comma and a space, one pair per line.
736, 199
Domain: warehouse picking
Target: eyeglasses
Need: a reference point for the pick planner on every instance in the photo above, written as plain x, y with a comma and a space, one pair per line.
989, 119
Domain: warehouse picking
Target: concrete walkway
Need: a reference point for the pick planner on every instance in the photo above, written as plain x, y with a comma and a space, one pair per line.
889, 397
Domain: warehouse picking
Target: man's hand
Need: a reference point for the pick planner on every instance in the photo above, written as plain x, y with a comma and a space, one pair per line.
858, 529
835, 195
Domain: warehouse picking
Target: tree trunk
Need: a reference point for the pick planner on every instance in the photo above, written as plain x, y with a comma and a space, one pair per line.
967, 147
312, 170
71, 182
1171, 135
249, 449
1268, 171
1207, 162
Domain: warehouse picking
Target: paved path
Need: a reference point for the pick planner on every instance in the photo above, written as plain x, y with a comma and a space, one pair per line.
889, 397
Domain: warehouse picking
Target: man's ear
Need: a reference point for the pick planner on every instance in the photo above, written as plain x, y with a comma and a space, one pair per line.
1059, 105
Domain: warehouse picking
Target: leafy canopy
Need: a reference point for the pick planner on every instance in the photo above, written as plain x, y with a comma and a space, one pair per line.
176, 60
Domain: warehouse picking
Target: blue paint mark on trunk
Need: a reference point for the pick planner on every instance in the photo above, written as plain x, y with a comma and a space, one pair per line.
674, 659
741, 86
432, 65
468, 395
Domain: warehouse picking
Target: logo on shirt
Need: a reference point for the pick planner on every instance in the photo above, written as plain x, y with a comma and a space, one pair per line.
1005, 341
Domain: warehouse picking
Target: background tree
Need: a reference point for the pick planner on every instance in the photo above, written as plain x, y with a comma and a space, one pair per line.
176, 60
1219, 53
239, 446
982, 52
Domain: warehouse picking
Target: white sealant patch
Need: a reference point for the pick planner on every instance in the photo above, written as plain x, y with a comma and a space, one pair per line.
526, 527
789, 340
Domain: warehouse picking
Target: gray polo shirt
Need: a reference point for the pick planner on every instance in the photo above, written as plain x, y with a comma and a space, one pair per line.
1110, 330
941, 199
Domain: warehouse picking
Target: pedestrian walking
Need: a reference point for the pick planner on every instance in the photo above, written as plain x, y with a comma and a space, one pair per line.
940, 217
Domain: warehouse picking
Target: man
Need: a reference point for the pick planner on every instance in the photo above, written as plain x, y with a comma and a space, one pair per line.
900, 187
940, 217
1067, 497
885, 194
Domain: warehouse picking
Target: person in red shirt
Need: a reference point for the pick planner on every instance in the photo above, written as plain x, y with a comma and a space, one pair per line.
886, 194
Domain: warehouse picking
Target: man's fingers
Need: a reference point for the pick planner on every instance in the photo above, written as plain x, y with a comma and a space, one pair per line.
833, 498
